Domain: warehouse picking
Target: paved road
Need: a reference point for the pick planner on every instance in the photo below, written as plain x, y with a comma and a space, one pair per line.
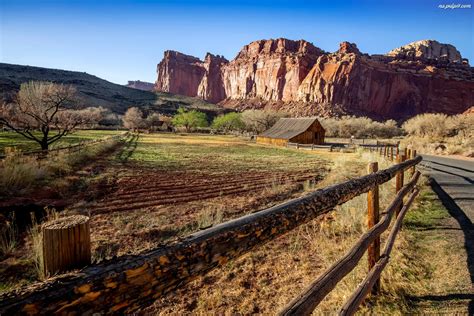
454, 184
455, 177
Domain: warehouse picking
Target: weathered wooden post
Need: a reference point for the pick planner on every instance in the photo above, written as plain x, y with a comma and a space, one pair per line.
297, 146
66, 244
399, 179
391, 153
413, 155
373, 217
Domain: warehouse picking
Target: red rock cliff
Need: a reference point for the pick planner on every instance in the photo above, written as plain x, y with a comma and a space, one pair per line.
297, 77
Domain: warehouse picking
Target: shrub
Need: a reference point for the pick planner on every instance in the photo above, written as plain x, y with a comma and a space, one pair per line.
18, 173
190, 120
360, 127
8, 237
133, 119
428, 125
228, 122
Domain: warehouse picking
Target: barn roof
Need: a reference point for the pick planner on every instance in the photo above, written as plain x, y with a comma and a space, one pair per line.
287, 128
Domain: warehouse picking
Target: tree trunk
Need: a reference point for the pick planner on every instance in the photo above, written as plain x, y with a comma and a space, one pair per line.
44, 146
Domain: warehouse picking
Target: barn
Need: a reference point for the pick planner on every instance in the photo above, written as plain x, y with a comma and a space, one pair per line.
293, 130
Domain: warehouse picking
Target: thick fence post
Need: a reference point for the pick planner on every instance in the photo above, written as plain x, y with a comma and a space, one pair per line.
66, 244
399, 178
373, 217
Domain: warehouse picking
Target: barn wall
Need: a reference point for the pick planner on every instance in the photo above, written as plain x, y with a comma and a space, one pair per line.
313, 135
303, 138
272, 141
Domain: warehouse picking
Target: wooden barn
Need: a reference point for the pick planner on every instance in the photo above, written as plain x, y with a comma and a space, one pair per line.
293, 130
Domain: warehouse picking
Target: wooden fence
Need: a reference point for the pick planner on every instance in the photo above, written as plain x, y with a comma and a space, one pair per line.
128, 283
42, 154
310, 146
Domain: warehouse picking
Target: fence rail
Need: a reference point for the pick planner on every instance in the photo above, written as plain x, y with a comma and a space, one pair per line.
306, 302
311, 146
130, 282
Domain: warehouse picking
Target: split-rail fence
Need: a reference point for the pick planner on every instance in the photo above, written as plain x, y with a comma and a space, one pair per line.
128, 283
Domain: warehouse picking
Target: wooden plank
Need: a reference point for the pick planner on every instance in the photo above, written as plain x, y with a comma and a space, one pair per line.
305, 303
351, 306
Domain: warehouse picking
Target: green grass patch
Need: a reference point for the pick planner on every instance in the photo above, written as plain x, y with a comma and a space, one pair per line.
427, 212
197, 152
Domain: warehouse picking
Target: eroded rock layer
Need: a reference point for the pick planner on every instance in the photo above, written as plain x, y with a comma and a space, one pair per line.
301, 79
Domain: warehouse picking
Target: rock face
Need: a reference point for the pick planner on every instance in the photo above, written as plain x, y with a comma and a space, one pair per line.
427, 49
301, 79
141, 85
269, 70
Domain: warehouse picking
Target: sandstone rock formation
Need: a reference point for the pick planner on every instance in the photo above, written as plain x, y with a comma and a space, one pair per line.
427, 49
297, 77
141, 85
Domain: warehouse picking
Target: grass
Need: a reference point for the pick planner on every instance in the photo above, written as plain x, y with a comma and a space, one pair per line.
19, 175
165, 186
188, 182
11, 139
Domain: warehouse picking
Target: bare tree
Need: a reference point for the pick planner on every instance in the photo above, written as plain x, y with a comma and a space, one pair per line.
153, 121
258, 121
133, 118
45, 107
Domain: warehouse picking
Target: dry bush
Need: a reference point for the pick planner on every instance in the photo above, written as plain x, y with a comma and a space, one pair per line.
441, 134
360, 127
257, 121
36, 238
18, 173
8, 237
209, 217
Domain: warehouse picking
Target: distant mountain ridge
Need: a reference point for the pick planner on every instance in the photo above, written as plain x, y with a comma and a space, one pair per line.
94, 91
301, 79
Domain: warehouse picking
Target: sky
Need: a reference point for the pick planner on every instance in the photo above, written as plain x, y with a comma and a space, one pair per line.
124, 40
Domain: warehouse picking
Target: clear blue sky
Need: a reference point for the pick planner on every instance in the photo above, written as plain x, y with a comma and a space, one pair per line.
124, 40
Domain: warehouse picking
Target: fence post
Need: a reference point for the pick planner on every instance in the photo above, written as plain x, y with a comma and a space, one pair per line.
297, 146
66, 244
413, 155
373, 217
391, 153
399, 179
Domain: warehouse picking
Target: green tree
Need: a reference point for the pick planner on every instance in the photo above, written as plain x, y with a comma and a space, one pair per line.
189, 119
228, 122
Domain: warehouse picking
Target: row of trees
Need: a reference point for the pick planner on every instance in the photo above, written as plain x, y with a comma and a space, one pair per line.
44, 112
255, 121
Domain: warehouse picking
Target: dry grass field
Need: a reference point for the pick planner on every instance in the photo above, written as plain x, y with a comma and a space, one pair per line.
154, 189
158, 187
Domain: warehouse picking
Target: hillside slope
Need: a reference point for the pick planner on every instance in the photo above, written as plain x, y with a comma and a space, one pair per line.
94, 91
